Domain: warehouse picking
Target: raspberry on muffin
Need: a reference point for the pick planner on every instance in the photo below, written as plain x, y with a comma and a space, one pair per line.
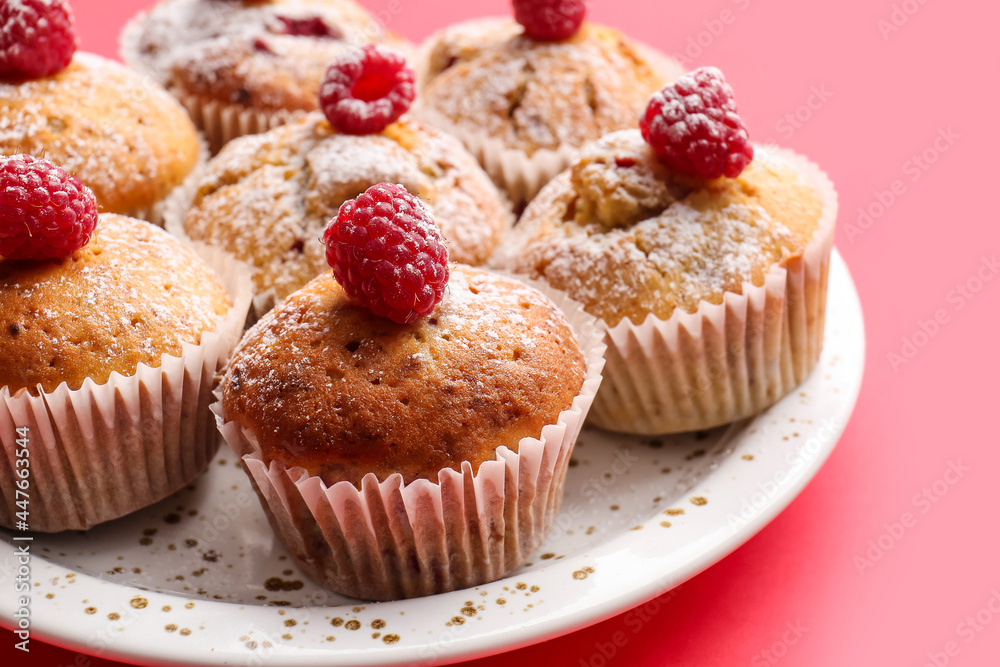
524, 105
366, 90
391, 454
693, 125
44, 212
110, 339
37, 38
267, 198
246, 67
118, 132
708, 269
387, 253
550, 20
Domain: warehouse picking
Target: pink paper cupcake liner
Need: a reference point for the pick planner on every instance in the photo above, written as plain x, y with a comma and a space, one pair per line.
102, 451
725, 361
389, 540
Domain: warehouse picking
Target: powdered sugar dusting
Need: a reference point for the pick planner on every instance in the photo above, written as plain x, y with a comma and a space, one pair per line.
320, 373
268, 198
117, 132
485, 76
658, 243
129, 296
199, 43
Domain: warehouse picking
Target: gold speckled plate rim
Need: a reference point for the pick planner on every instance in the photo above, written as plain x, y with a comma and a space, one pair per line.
581, 589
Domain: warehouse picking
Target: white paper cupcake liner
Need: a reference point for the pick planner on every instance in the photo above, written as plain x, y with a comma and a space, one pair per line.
728, 361
102, 451
389, 541
519, 174
513, 170
222, 122
219, 121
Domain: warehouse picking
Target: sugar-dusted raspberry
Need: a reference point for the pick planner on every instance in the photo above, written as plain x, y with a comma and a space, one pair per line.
37, 38
550, 20
693, 125
44, 212
366, 89
387, 252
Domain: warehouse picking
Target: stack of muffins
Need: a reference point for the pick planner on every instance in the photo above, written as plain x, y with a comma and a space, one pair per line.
405, 415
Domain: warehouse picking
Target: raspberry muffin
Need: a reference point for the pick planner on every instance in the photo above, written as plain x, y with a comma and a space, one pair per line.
118, 132
525, 100
111, 341
391, 452
708, 264
245, 66
267, 198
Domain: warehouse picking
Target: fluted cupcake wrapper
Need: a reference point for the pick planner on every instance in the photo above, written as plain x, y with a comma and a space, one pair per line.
725, 361
221, 122
102, 451
389, 540
519, 174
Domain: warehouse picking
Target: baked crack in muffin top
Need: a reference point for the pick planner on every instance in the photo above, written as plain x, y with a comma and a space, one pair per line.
628, 237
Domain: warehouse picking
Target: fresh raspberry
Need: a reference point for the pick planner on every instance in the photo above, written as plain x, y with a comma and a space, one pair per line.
693, 125
387, 252
550, 20
366, 89
305, 26
37, 38
44, 212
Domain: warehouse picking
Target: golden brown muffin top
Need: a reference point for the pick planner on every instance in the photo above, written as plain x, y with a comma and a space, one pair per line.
131, 295
116, 131
326, 385
238, 52
268, 198
627, 237
485, 76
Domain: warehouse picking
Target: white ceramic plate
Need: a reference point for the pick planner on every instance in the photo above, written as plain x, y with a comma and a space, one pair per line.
199, 579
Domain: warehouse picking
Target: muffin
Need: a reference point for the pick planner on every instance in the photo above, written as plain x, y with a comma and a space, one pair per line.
108, 359
523, 106
400, 460
119, 132
241, 67
713, 291
267, 198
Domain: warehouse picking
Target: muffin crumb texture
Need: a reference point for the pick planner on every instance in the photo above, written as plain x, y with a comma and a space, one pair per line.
266, 55
128, 140
627, 237
268, 198
485, 76
131, 295
325, 385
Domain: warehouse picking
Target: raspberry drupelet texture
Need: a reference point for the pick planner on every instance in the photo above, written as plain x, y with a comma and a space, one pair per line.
44, 212
37, 38
693, 125
366, 89
550, 20
388, 254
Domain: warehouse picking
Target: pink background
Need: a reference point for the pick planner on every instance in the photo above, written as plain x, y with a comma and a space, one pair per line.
879, 98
